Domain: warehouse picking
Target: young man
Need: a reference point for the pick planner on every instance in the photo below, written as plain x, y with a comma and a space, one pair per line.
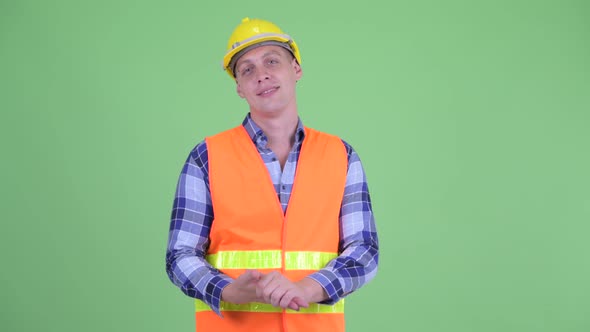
272, 223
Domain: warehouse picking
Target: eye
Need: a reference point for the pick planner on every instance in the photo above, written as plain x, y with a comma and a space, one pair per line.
246, 71
273, 61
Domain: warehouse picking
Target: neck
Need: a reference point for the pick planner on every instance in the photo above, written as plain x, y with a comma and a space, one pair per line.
278, 130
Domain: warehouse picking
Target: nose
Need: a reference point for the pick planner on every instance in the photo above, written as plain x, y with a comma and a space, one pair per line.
263, 75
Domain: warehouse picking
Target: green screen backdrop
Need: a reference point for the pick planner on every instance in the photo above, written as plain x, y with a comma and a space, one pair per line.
471, 118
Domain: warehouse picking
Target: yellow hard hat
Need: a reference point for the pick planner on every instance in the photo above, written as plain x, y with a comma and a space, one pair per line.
255, 31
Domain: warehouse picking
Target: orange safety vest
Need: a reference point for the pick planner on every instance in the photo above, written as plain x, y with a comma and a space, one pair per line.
250, 230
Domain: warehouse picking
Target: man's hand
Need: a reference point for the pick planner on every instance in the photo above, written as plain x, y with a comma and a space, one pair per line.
276, 289
243, 289
273, 288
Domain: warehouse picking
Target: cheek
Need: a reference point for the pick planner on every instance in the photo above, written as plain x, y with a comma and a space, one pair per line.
240, 91
246, 89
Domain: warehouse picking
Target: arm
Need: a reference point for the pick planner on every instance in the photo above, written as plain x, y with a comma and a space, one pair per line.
190, 223
359, 246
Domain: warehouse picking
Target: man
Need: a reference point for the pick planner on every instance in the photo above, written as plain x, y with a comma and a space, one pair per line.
272, 223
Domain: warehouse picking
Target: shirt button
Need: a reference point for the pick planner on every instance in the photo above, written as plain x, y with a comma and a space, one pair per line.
274, 159
283, 187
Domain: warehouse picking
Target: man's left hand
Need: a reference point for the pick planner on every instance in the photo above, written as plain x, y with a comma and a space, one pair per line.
279, 291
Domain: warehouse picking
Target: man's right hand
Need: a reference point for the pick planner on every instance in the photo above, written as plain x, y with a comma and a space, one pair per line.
243, 289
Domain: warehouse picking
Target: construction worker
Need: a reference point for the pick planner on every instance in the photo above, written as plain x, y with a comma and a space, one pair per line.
272, 225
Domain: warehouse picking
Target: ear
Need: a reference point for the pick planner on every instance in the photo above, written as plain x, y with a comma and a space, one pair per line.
298, 70
239, 90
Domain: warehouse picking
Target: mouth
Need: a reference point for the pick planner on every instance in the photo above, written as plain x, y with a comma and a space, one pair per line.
267, 91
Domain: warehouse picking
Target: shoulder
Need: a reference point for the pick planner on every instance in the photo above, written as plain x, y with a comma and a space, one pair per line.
199, 155
226, 134
349, 149
350, 152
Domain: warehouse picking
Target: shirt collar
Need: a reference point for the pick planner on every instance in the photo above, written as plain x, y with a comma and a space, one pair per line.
260, 139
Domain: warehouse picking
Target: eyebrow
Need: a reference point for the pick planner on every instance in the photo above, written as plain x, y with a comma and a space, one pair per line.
264, 55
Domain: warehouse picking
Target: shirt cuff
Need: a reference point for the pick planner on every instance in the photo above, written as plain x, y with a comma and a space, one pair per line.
330, 283
212, 295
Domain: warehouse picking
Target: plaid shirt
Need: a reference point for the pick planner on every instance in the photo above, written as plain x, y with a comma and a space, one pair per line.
192, 215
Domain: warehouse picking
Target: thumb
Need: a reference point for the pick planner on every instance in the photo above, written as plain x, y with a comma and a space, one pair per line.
256, 275
252, 276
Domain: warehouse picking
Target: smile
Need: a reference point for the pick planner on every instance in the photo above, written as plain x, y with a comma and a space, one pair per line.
268, 91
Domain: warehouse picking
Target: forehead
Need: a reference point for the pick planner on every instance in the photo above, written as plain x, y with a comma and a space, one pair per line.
261, 52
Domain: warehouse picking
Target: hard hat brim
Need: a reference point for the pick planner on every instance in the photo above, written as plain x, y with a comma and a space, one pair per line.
256, 40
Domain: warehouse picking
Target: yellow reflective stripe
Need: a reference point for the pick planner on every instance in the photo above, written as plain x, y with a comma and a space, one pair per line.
270, 259
314, 308
307, 260
248, 307
263, 259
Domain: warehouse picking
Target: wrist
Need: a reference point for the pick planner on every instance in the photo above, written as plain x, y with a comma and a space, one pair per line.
227, 292
314, 292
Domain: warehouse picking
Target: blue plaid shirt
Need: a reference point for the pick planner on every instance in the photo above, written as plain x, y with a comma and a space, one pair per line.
192, 215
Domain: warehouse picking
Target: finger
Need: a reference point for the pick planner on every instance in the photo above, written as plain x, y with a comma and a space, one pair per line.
266, 279
253, 275
269, 291
256, 275
287, 299
260, 292
268, 284
263, 288
292, 301
300, 302
246, 277
293, 306
276, 297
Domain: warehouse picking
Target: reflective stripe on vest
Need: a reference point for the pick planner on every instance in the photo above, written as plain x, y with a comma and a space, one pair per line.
271, 259
313, 308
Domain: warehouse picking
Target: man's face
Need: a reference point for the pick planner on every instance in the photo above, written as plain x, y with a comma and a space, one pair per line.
266, 78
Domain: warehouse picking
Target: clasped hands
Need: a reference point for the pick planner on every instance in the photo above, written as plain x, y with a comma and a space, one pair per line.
273, 288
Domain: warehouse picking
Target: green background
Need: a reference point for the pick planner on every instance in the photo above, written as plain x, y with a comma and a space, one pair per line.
471, 118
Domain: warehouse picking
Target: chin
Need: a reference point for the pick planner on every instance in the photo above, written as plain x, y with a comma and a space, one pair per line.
269, 108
